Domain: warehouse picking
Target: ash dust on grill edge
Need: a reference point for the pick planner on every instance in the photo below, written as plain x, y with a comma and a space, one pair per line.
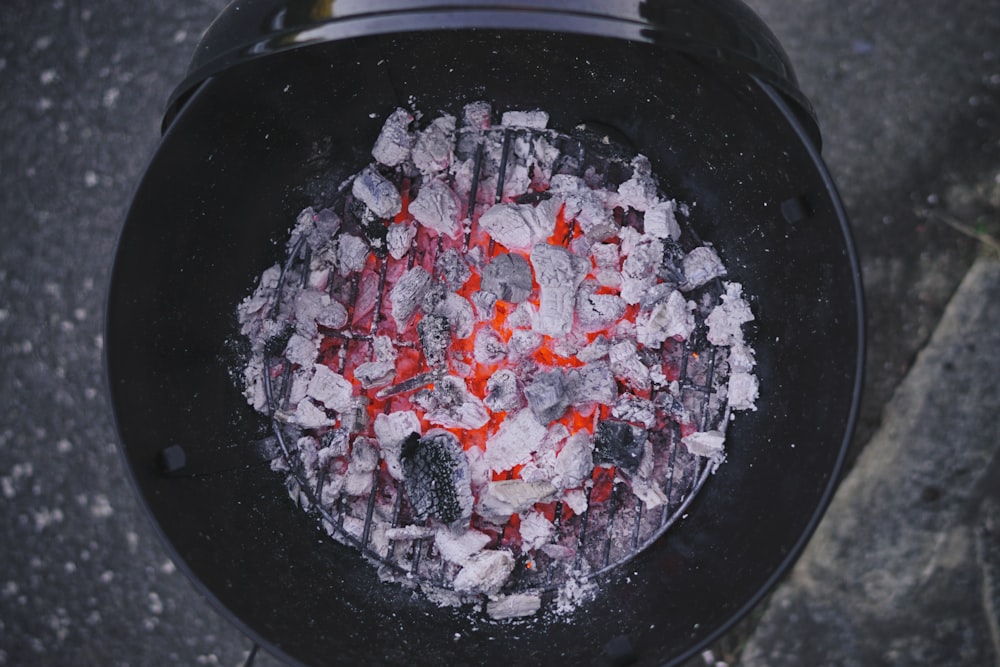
499, 362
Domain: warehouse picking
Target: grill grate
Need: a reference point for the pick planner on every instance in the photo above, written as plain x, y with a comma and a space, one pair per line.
611, 530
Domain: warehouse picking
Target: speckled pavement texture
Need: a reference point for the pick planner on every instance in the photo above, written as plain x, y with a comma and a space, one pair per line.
907, 96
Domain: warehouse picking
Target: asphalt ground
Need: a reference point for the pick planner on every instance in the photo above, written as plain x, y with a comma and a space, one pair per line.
907, 96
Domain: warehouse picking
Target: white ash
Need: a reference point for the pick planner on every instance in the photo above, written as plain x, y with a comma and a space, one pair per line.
534, 119
516, 605
332, 315
364, 460
640, 267
476, 115
504, 392
436, 207
459, 313
407, 293
535, 529
547, 395
373, 374
308, 305
392, 430
352, 253
488, 347
632, 408
576, 500
330, 388
518, 436
518, 226
742, 391
523, 343
301, 351
673, 318
485, 305
410, 532
559, 273
644, 484
452, 269
710, 444
660, 220
383, 349
725, 322
507, 277
524, 316
640, 191
596, 312
399, 238
394, 142
485, 573
433, 148
435, 337
702, 265
607, 262
499, 500
627, 366
454, 406
457, 546
377, 192
596, 349
308, 415
741, 358
574, 462
591, 383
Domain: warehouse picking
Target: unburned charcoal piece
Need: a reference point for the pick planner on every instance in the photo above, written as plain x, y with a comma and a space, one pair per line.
437, 479
620, 444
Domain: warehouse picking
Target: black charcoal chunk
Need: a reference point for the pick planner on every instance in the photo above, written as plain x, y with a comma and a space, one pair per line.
452, 268
435, 336
547, 395
508, 276
437, 477
672, 265
620, 444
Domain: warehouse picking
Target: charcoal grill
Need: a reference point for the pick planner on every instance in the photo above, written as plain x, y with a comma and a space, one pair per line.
281, 105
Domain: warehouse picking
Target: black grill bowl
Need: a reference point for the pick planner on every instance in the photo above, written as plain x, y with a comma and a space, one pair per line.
265, 135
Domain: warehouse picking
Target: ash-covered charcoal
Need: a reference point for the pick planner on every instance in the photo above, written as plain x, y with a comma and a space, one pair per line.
436, 207
504, 392
547, 395
435, 337
437, 478
377, 192
452, 268
392, 148
501, 309
508, 277
619, 444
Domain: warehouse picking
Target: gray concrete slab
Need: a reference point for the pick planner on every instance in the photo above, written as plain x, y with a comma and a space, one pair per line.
903, 569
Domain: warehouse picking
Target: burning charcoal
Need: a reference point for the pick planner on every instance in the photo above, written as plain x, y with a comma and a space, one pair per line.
476, 115
457, 546
377, 193
309, 304
523, 343
399, 237
518, 226
384, 349
485, 573
672, 318
502, 498
534, 119
656, 294
741, 359
301, 350
660, 221
576, 500
451, 267
394, 142
559, 273
508, 277
375, 373
575, 462
518, 436
726, 320
503, 392
458, 311
710, 444
437, 477
640, 267
435, 337
516, 605
620, 444
700, 266
591, 383
596, 349
632, 408
593, 214
330, 389
639, 192
597, 311
535, 530
406, 295
523, 317
627, 366
436, 207
644, 485
455, 406
332, 316
352, 253
485, 303
432, 150
335, 442
488, 348
742, 391
316, 228
392, 430
546, 395
363, 462
669, 405
310, 416
672, 265
355, 420
435, 293
607, 264
409, 532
